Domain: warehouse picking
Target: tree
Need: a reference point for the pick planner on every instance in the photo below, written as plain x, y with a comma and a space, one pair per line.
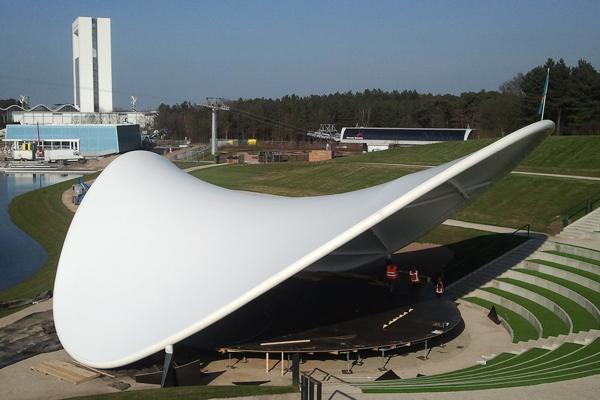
557, 97
584, 87
513, 86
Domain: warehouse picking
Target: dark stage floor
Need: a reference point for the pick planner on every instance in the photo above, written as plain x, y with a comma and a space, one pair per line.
327, 313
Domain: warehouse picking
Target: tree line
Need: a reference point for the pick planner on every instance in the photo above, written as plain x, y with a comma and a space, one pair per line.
573, 103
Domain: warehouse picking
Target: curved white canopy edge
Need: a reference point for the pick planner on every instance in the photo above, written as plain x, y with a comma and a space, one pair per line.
154, 255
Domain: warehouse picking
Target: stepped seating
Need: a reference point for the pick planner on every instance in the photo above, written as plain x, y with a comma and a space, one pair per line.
547, 296
551, 323
586, 228
523, 330
580, 318
536, 366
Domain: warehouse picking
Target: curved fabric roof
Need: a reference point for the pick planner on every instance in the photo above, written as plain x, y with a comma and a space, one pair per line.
154, 255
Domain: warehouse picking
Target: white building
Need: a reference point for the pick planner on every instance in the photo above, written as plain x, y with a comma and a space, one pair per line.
92, 64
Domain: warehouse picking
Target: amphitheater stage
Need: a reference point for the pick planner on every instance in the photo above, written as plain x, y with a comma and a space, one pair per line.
319, 313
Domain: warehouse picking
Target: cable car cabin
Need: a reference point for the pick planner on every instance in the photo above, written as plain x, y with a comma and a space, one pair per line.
374, 139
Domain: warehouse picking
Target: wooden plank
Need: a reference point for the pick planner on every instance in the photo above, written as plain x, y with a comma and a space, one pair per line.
65, 371
93, 369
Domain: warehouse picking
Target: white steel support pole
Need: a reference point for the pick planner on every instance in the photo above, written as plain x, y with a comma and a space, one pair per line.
214, 132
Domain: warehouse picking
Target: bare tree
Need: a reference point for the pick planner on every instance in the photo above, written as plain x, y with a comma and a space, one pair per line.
513, 86
365, 116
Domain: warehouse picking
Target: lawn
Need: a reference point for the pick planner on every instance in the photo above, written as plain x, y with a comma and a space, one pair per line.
571, 155
515, 201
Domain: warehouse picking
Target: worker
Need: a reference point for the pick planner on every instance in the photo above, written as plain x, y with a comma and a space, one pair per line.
391, 274
414, 276
439, 288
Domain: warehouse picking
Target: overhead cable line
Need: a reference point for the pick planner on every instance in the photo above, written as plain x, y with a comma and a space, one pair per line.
267, 120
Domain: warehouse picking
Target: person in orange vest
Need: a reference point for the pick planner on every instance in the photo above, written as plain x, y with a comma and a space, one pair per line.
439, 288
414, 276
391, 274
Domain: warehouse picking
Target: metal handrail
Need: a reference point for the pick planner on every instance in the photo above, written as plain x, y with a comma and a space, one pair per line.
573, 211
589, 207
595, 198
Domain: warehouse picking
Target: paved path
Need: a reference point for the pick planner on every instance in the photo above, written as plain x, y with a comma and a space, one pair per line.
590, 178
202, 167
479, 227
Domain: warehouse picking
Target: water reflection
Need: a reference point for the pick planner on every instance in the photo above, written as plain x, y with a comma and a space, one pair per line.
20, 255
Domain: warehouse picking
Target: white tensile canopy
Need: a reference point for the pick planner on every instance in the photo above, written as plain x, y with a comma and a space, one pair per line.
154, 255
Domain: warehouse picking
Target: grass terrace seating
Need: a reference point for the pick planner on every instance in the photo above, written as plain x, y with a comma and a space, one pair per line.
522, 330
581, 318
552, 325
557, 289
536, 366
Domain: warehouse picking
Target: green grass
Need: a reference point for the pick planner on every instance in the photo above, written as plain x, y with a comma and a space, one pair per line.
433, 154
569, 361
591, 295
574, 257
522, 329
513, 202
520, 199
582, 319
552, 325
529, 361
502, 362
42, 215
569, 155
577, 155
195, 393
577, 271
298, 180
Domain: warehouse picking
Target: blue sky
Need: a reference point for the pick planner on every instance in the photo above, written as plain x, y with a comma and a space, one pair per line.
172, 51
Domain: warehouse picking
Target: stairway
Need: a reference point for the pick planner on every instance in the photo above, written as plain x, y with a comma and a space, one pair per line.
586, 228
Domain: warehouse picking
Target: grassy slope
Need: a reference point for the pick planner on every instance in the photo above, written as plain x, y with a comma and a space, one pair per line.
515, 201
316, 179
576, 155
520, 199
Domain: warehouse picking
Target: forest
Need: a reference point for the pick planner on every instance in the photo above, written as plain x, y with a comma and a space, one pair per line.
573, 103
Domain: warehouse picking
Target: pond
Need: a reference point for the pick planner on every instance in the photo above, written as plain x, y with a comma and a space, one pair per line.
20, 255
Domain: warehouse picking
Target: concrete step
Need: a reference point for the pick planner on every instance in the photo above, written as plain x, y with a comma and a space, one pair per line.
551, 343
587, 225
570, 262
571, 235
576, 229
577, 251
559, 273
583, 338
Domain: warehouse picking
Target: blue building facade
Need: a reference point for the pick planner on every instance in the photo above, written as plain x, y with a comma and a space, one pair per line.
93, 140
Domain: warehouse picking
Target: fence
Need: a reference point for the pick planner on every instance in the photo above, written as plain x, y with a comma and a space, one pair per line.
190, 153
580, 209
